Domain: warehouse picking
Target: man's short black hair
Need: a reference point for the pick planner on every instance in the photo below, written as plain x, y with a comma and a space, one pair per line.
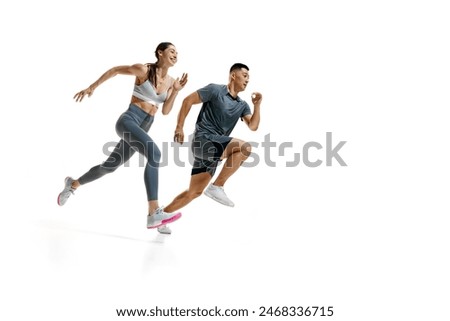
238, 66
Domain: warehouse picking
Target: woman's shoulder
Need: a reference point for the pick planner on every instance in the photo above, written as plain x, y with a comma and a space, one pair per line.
143, 67
141, 72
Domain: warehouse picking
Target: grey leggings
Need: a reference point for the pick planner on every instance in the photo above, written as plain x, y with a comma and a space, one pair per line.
132, 127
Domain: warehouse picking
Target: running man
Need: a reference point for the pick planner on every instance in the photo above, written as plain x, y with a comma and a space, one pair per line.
212, 143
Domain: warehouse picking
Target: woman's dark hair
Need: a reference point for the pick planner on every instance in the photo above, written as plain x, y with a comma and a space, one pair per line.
152, 67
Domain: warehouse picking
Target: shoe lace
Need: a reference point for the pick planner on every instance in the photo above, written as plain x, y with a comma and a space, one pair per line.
158, 210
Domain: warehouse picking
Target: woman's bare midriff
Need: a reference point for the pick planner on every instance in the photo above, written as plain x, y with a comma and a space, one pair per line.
145, 106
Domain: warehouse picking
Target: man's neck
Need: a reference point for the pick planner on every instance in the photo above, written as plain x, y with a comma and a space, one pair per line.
231, 90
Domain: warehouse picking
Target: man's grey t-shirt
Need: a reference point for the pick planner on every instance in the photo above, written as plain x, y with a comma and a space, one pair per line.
220, 111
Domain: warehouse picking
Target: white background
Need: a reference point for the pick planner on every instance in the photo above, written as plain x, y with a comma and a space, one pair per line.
370, 239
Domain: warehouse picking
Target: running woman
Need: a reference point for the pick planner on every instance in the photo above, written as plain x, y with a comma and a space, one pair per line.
153, 86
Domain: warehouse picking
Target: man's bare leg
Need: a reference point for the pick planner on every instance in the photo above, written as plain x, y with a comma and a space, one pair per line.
236, 152
196, 187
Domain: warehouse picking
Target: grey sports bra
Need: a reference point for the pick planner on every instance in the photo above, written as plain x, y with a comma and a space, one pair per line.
147, 92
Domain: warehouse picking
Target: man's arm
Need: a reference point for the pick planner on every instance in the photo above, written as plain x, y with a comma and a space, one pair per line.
190, 100
252, 120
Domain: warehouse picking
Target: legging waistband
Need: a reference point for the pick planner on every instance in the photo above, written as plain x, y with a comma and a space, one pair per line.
139, 112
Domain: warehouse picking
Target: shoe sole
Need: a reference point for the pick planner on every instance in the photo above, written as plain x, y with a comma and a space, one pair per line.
165, 233
168, 221
59, 203
217, 199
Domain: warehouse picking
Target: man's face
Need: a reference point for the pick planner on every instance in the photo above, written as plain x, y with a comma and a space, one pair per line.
241, 79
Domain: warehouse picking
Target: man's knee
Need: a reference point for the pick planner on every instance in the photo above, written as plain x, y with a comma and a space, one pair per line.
193, 194
246, 149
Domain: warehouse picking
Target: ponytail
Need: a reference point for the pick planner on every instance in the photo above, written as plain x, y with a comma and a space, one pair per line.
152, 74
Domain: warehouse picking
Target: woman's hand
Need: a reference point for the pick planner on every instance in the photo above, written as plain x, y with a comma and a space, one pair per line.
180, 83
80, 95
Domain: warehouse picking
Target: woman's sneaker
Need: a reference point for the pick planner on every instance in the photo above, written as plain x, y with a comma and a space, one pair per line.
161, 218
164, 229
67, 191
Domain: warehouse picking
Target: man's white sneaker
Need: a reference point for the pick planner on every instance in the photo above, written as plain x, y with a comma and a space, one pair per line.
161, 218
217, 193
